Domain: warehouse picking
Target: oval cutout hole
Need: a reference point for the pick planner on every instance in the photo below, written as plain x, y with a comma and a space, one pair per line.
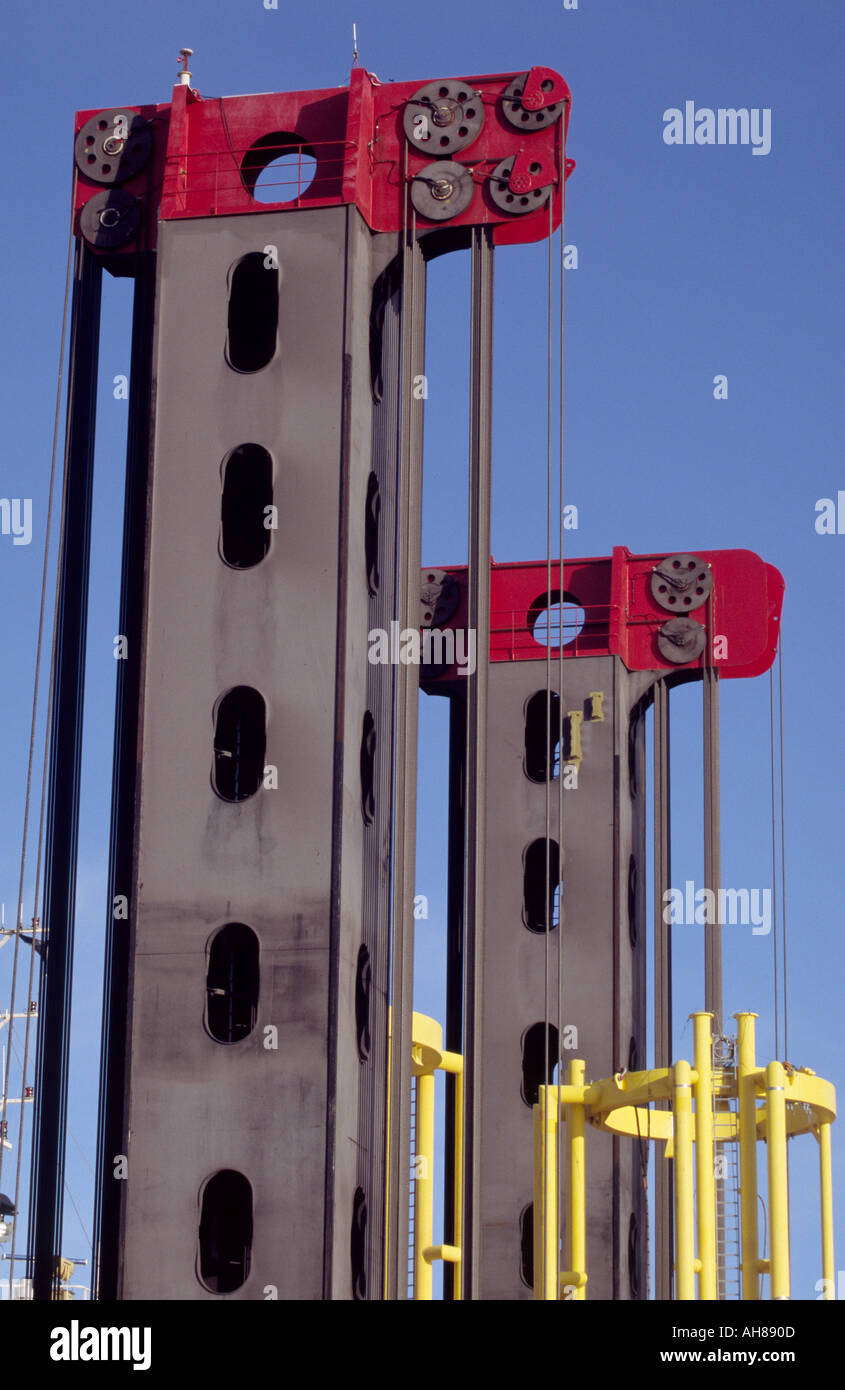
633, 1256
363, 985
232, 983
540, 1055
225, 1235
542, 737
358, 1245
526, 1245
253, 313
632, 900
247, 493
541, 886
371, 519
368, 758
240, 740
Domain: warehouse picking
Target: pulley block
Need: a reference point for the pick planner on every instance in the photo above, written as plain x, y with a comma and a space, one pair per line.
681, 640
681, 583
113, 146
514, 187
442, 190
439, 595
443, 117
439, 598
534, 100
110, 219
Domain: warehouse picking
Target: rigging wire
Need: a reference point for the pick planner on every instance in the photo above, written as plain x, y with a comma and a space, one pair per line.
78, 1217
783, 883
549, 769
775, 895
783, 939
82, 1151
778, 810
33, 725
560, 1015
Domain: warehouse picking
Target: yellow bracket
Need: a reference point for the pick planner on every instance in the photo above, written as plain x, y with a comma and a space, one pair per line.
572, 730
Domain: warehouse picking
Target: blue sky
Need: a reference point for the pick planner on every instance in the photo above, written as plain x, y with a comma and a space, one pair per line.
693, 261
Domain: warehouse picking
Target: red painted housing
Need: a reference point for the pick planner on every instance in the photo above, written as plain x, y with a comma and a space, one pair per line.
621, 617
208, 151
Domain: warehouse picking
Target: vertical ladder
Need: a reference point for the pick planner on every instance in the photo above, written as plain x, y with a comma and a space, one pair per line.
728, 1222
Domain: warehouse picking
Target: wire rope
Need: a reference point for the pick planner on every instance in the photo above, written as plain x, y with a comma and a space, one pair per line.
30, 762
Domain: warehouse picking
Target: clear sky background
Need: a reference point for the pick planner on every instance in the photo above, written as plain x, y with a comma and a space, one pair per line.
693, 261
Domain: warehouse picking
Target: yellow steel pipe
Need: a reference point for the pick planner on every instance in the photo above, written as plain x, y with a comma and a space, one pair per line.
826, 1202
777, 1180
450, 1254
424, 1187
538, 1209
684, 1205
746, 1071
576, 1197
705, 1181
453, 1062
546, 1286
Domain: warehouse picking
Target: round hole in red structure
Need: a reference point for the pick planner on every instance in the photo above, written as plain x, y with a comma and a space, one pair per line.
279, 167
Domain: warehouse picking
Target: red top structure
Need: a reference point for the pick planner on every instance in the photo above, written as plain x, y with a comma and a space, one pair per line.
471, 151
653, 611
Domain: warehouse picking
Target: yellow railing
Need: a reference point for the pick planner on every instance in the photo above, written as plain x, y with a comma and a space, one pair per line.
774, 1102
429, 1056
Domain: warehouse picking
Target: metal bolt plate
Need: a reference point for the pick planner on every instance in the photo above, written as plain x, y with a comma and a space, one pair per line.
113, 146
681, 640
442, 190
515, 112
454, 116
511, 199
439, 596
110, 219
681, 583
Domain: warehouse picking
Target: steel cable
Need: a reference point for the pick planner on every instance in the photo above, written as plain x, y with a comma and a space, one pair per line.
783, 854
549, 753
774, 861
33, 725
560, 1013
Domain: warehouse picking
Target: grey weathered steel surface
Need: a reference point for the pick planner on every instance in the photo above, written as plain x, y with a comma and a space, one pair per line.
409, 502
290, 863
663, 1214
604, 961
477, 751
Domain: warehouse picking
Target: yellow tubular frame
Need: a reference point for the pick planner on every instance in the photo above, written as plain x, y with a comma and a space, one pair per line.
429, 1056
774, 1104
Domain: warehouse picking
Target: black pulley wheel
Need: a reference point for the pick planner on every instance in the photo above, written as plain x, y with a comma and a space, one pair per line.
113, 146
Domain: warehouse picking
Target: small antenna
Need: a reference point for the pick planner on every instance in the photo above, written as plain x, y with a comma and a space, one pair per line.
184, 77
354, 45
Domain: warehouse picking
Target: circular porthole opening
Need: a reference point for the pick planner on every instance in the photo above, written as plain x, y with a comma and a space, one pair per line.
554, 621
279, 168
